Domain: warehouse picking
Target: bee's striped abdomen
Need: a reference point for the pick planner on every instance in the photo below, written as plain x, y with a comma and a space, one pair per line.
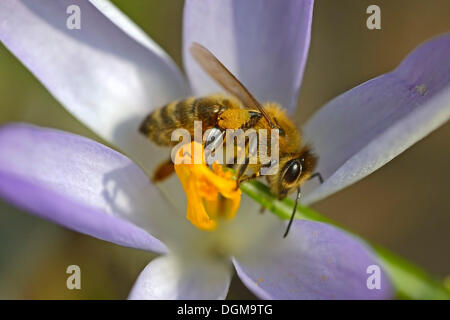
159, 125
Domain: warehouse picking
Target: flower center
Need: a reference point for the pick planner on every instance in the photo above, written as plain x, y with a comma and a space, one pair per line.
211, 194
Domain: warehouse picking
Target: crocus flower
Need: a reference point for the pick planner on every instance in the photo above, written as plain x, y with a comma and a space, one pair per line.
110, 75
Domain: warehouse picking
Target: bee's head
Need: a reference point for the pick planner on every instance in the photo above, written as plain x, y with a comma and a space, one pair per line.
294, 170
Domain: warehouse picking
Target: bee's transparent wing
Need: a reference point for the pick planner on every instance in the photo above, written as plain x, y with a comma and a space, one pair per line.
225, 78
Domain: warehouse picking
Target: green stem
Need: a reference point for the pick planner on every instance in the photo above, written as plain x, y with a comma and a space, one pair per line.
409, 281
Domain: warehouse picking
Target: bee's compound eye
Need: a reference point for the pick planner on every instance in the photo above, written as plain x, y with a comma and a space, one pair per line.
293, 171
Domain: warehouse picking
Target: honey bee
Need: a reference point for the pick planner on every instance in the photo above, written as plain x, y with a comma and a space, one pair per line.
239, 110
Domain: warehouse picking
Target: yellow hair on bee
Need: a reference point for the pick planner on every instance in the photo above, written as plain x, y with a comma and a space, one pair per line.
233, 118
290, 138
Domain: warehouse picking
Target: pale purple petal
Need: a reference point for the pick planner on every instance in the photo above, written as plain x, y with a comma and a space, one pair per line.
170, 278
263, 42
315, 261
108, 73
129, 27
79, 184
366, 127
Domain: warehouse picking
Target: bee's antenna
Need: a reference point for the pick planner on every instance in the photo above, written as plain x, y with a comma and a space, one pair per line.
293, 213
318, 175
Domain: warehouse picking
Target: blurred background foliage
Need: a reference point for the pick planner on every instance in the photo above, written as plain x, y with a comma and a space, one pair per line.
405, 206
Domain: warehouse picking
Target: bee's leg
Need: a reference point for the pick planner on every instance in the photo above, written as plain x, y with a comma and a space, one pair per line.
254, 118
251, 177
163, 171
251, 148
318, 175
241, 170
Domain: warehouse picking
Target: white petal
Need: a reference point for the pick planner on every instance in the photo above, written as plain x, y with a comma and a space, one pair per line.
264, 43
82, 185
128, 26
366, 127
171, 278
108, 73
316, 261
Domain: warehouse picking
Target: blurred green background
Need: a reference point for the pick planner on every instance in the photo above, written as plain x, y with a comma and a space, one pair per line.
405, 206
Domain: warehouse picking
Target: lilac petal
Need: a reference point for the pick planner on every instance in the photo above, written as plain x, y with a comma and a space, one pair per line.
367, 126
108, 74
263, 42
172, 278
79, 184
316, 261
